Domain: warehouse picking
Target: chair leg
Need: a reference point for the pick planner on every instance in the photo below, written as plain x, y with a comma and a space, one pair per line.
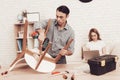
11, 68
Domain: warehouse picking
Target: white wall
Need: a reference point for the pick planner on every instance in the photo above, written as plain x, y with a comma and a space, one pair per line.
102, 14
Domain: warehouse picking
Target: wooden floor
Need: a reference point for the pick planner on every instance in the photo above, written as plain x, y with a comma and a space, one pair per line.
81, 71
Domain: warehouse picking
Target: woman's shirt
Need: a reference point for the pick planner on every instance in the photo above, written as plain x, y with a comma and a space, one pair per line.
98, 45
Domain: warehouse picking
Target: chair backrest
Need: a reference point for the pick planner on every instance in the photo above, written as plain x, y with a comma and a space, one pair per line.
83, 48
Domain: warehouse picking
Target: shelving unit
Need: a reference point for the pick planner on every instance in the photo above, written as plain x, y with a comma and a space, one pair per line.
19, 30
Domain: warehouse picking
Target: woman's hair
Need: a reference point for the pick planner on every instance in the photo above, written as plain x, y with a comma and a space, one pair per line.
95, 31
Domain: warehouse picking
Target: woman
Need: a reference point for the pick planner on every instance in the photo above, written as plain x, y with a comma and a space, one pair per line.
95, 42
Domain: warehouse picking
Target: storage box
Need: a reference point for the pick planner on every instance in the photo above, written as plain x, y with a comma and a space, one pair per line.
102, 64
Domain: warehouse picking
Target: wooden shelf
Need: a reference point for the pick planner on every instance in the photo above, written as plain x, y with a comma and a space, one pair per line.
19, 51
19, 27
19, 37
20, 24
22, 37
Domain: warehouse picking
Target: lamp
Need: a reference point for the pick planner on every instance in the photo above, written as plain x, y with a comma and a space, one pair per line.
85, 1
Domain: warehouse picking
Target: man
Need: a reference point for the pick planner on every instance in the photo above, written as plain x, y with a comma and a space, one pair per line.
59, 33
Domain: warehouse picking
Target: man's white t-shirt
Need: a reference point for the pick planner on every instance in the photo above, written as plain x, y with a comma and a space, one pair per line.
98, 45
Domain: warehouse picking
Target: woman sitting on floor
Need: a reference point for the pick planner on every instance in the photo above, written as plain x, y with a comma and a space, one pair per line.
95, 42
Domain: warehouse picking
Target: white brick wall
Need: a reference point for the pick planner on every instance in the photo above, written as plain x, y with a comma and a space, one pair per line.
102, 14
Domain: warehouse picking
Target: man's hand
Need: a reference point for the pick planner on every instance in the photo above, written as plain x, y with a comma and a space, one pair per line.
42, 35
63, 52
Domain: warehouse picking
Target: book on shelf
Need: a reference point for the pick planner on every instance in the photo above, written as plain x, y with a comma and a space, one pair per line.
19, 42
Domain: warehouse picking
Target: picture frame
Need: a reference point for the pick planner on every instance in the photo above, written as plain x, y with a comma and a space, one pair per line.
33, 16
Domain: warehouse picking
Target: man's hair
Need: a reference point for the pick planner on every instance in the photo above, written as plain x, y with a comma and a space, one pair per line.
63, 9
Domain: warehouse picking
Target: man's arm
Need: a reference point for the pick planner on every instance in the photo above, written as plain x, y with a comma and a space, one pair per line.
70, 50
40, 25
40, 28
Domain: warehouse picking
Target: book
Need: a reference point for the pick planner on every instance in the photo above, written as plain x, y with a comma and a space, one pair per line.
19, 42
